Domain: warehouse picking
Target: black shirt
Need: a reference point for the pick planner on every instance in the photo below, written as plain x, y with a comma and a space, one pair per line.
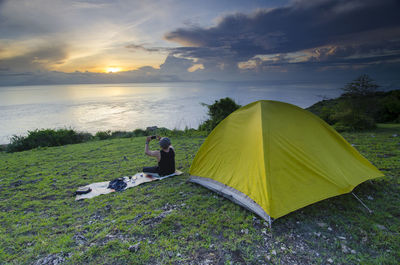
167, 162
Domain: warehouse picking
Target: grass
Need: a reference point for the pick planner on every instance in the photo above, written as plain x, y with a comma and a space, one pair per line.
175, 222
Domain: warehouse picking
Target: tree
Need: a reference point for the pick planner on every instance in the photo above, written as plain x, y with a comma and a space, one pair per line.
362, 86
358, 106
217, 112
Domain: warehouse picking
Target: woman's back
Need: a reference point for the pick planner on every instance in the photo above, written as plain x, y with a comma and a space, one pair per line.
167, 162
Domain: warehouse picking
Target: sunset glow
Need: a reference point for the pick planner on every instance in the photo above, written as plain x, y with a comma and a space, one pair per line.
113, 69
151, 41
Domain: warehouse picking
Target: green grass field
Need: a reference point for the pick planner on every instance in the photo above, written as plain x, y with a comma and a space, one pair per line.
175, 222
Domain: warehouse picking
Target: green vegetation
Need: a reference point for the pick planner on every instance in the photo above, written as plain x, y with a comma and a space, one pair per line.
45, 138
360, 107
175, 222
50, 137
217, 112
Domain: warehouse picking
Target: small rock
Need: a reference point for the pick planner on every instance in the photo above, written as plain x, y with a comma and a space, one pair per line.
283, 248
273, 252
317, 234
370, 198
297, 222
353, 251
381, 227
317, 254
134, 248
80, 239
345, 249
178, 255
268, 257
330, 260
330, 229
342, 237
53, 259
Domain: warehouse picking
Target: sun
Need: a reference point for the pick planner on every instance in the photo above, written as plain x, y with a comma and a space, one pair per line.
113, 69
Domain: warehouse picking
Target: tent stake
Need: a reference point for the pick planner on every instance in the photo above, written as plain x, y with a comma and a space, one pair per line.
269, 221
369, 210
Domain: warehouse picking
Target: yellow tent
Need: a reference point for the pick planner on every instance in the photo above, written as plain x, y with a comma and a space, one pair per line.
274, 158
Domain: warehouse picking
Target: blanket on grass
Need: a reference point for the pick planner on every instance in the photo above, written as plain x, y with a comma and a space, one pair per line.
99, 188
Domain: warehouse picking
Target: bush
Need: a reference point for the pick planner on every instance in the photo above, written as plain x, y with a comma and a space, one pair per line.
122, 134
390, 107
353, 121
139, 132
46, 138
103, 135
84, 137
217, 112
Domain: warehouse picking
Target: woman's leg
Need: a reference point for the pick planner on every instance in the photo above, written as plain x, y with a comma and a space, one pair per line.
151, 170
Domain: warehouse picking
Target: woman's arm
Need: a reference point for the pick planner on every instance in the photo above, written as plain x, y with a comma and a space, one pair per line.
148, 152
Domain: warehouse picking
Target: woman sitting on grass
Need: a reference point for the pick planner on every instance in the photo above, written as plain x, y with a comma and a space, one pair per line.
165, 156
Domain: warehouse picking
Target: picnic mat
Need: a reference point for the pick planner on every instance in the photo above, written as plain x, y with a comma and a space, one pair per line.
99, 188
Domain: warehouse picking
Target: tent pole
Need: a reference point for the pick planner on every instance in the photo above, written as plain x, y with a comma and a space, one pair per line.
369, 210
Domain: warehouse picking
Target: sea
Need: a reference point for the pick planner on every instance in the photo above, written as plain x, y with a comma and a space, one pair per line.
101, 107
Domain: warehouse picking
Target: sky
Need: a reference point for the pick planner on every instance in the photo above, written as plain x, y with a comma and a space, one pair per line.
94, 41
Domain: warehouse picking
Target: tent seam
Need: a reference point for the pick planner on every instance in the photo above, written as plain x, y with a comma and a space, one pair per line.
266, 170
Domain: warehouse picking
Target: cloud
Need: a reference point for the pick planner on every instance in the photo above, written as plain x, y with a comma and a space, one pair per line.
352, 26
135, 47
39, 59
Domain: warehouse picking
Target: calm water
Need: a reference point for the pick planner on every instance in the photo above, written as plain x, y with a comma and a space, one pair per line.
99, 107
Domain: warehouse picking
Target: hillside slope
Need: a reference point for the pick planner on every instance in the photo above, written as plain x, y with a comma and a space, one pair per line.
172, 221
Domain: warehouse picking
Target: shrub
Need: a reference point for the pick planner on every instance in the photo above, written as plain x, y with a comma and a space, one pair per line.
45, 138
217, 112
103, 135
122, 134
353, 121
390, 108
139, 132
160, 131
84, 137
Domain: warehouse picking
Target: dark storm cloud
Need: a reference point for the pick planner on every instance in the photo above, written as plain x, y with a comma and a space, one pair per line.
303, 25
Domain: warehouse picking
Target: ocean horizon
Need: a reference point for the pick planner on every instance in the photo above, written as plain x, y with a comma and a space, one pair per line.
129, 106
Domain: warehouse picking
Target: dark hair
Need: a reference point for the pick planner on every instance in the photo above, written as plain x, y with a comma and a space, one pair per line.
165, 142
